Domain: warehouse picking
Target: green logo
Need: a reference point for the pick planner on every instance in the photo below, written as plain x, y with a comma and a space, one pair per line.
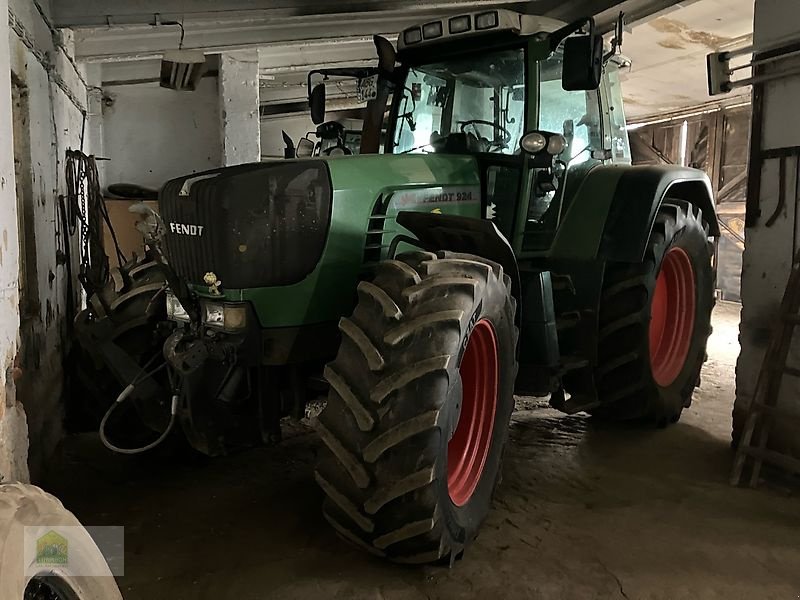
51, 549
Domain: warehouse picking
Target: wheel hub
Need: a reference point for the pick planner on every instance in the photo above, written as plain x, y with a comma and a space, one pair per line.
472, 438
672, 313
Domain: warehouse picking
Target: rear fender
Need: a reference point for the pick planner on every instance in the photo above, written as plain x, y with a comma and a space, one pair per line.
614, 209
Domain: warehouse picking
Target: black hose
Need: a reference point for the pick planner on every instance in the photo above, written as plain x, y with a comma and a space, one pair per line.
85, 207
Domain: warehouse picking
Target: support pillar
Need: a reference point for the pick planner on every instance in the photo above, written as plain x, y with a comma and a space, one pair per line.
239, 99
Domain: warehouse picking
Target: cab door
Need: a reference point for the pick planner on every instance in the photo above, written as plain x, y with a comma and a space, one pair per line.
578, 116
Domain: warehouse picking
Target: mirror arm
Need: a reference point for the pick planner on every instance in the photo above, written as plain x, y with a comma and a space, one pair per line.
616, 41
559, 35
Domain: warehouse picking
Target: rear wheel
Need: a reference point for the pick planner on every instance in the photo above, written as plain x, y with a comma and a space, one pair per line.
421, 393
125, 311
655, 319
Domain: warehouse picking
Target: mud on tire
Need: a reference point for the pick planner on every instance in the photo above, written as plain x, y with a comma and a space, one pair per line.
628, 371
394, 402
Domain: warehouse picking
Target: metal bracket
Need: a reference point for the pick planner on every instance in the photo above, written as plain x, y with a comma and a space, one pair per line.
720, 71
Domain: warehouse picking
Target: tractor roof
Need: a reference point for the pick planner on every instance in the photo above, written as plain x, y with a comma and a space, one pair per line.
475, 24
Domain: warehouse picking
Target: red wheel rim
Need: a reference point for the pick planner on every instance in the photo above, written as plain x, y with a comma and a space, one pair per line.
672, 316
469, 446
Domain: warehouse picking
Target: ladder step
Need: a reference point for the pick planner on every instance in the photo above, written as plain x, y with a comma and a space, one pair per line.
776, 458
774, 411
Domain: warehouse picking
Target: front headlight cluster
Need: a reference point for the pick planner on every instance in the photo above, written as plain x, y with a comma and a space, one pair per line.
226, 316
175, 310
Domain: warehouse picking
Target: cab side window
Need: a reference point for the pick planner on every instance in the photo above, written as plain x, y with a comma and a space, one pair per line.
620, 145
576, 115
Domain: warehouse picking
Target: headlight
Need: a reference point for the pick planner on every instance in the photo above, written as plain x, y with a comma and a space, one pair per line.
213, 314
460, 24
412, 36
432, 30
486, 20
175, 310
228, 317
556, 144
533, 142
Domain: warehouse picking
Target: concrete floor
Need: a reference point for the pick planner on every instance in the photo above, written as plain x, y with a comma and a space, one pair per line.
583, 512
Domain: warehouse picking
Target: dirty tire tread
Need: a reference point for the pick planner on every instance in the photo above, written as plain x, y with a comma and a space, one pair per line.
399, 456
623, 376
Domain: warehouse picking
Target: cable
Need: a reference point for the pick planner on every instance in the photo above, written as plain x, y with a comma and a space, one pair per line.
125, 393
122, 397
86, 208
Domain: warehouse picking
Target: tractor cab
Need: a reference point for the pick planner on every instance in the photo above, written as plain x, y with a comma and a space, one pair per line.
477, 85
499, 79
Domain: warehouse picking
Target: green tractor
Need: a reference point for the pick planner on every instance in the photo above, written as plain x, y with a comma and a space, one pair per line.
490, 239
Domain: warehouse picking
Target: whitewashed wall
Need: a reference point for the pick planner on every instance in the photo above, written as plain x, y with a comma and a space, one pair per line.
768, 251
152, 134
49, 114
13, 428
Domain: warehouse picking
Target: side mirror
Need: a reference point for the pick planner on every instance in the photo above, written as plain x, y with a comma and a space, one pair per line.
305, 148
316, 102
583, 63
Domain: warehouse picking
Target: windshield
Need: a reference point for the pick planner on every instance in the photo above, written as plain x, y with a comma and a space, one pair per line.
470, 103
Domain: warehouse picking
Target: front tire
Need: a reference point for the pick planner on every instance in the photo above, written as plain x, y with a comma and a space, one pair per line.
421, 393
655, 319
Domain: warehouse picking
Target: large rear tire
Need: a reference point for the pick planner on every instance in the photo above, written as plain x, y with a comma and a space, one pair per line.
28, 506
655, 319
421, 393
126, 311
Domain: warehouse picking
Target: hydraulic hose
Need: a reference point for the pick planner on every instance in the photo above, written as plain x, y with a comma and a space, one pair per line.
120, 399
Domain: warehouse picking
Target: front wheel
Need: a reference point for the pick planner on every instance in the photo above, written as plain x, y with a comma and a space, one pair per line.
655, 319
421, 393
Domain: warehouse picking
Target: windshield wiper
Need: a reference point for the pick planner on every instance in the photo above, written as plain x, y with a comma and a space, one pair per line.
412, 149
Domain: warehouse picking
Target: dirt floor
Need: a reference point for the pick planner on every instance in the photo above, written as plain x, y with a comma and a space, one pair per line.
583, 512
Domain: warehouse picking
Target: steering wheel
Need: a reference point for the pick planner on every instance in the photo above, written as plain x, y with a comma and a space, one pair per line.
337, 150
499, 128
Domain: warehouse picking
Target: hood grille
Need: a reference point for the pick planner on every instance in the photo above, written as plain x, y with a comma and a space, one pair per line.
256, 225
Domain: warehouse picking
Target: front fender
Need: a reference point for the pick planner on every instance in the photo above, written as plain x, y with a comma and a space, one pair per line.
464, 234
614, 207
